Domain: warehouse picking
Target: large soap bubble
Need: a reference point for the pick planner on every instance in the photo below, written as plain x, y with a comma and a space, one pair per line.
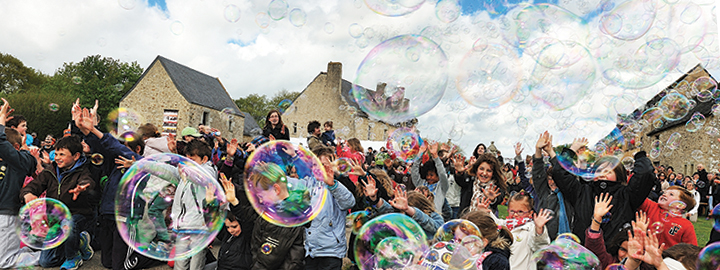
675, 106
629, 20
123, 121
565, 254
394, 7
281, 197
373, 250
405, 144
45, 223
409, 74
563, 75
169, 207
456, 230
709, 257
489, 75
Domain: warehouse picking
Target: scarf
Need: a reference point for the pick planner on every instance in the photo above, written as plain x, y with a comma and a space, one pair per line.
478, 194
512, 223
563, 224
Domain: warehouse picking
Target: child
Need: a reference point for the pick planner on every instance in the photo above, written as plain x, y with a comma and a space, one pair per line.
432, 174
15, 166
413, 204
497, 239
617, 249
328, 137
528, 230
351, 149
627, 195
485, 180
548, 196
325, 240
67, 181
272, 246
667, 222
235, 249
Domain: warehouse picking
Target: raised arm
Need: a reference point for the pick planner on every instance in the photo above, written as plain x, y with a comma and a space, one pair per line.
641, 183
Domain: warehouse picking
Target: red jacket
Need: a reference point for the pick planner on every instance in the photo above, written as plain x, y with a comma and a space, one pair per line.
673, 231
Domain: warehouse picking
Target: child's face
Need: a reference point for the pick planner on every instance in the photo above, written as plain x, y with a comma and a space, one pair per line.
270, 196
233, 227
198, 159
432, 177
622, 251
64, 159
667, 197
484, 172
606, 172
22, 128
328, 128
518, 210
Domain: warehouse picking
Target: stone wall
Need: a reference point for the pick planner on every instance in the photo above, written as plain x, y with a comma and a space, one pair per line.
322, 101
156, 93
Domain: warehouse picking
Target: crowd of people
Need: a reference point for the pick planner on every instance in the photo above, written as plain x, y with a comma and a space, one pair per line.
639, 218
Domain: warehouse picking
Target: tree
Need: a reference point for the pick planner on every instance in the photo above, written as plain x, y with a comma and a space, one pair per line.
97, 77
259, 105
15, 76
46, 112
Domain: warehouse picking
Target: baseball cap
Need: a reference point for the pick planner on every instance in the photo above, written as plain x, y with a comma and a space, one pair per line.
190, 131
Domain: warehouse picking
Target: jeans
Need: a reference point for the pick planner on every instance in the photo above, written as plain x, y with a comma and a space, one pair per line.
67, 250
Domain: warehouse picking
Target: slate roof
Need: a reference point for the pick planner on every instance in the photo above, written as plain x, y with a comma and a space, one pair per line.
250, 124
196, 87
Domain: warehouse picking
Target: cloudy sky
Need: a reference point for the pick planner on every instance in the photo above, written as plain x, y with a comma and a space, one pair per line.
507, 70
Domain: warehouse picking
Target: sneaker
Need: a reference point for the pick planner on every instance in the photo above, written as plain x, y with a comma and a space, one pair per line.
72, 264
85, 249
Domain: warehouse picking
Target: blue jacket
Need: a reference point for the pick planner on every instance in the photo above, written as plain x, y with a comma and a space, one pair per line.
326, 235
14, 166
110, 148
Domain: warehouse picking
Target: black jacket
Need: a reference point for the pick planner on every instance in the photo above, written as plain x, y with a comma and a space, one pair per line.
235, 251
548, 199
59, 187
14, 166
498, 260
466, 182
626, 198
277, 132
703, 185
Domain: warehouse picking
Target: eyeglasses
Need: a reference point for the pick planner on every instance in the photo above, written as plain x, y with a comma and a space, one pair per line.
519, 213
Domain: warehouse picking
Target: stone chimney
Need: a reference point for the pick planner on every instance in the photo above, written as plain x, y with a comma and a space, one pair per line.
334, 76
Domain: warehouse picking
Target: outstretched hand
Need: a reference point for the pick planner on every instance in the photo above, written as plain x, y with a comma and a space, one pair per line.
77, 190
518, 149
124, 162
541, 219
369, 188
229, 189
578, 143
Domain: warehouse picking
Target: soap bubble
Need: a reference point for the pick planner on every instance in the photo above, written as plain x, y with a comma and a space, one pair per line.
655, 148
267, 170
45, 223
709, 257
284, 105
639, 68
277, 9
329, 27
564, 253
673, 142
54, 107
629, 163
298, 17
568, 236
563, 74
405, 87
355, 30
119, 87
177, 28
676, 208
394, 253
447, 11
357, 219
657, 227
697, 155
97, 159
169, 183
232, 13
393, 8
395, 225
616, 266
456, 230
405, 144
344, 165
587, 164
438, 256
123, 120
473, 243
674, 106
256, 132
488, 75
127, 4
227, 112
716, 109
629, 20
696, 122
76, 80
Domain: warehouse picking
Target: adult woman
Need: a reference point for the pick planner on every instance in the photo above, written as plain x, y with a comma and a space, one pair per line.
479, 150
485, 180
275, 129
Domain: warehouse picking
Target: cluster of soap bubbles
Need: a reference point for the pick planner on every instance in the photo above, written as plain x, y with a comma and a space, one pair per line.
393, 241
565, 253
45, 223
284, 184
405, 144
122, 122
169, 183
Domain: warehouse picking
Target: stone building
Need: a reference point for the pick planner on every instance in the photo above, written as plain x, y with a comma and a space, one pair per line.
693, 147
329, 97
173, 96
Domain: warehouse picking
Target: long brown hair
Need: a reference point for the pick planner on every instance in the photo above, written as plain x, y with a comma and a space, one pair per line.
417, 199
497, 236
355, 145
267, 119
497, 176
381, 178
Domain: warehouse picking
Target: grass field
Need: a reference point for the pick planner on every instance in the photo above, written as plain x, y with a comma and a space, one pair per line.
702, 226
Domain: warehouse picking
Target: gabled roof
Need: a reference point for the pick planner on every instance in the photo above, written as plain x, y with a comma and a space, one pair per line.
196, 87
250, 124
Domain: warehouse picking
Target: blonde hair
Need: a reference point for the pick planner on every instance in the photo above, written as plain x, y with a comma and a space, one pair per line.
417, 199
497, 236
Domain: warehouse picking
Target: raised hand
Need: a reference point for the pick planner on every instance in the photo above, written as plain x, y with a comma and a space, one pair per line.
93, 113
210, 193
483, 204
369, 188
433, 149
172, 143
459, 162
35, 152
290, 150
76, 109
29, 197
84, 122
653, 250
400, 201
357, 168
271, 137
492, 193
641, 221
602, 206
232, 147
124, 162
229, 188
250, 147
549, 145
541, 143
578, 143
541, 219
518, 149
4, 112
77, 190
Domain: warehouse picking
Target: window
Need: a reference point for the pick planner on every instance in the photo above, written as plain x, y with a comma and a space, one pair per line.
369, 132
294, 127
204, 119
385, 135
